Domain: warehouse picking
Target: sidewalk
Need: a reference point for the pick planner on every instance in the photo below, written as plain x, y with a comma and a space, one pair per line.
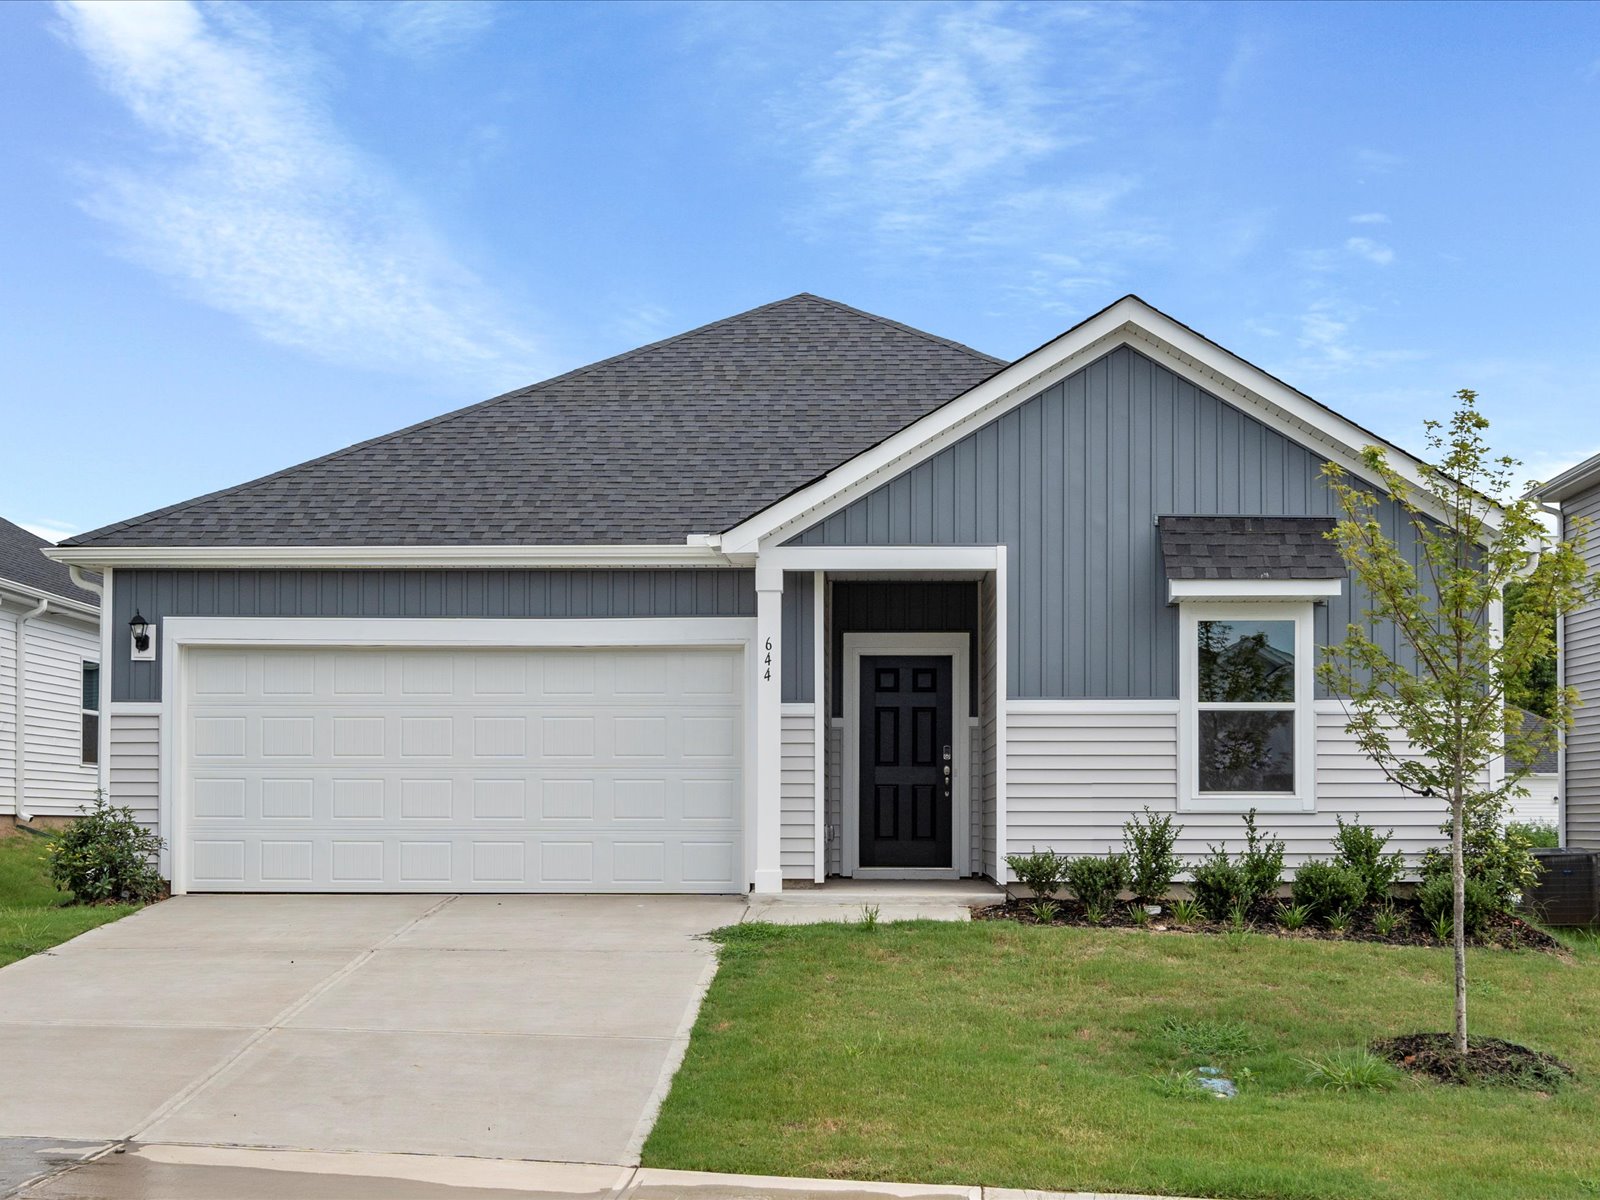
171, 1172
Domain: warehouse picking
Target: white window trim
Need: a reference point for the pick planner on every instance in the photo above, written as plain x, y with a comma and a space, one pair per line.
1304, 797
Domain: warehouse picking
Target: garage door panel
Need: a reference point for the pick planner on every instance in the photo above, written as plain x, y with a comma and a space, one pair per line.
615, 770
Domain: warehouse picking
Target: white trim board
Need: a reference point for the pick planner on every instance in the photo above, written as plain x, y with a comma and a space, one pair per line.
1128, 322
954, 646
187, 633
301, 557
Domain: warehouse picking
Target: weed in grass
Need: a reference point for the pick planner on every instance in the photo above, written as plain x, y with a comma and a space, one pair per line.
1236, 938
1180, 1085
1292, 916
1221, 1041
1386, 920
869, 917
1043, 911
1339, 923
1185, 912
1350, 1071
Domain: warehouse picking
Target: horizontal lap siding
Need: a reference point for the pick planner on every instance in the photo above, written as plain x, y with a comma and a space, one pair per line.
1581, 653
136, 764
514, 593
1540, 806
1074, 779
798, 820
58, 782
8, 712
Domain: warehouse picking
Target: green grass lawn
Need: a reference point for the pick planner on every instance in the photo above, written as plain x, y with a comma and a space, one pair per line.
1014, 1056
33, 916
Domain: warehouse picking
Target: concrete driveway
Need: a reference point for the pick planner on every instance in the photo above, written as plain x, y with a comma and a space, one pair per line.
529, 1027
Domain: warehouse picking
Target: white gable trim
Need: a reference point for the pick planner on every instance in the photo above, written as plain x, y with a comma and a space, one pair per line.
666, 556
1128, 322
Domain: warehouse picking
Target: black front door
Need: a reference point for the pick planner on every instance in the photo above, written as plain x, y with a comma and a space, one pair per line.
906, 761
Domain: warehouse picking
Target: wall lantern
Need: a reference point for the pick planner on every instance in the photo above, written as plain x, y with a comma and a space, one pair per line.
141, 632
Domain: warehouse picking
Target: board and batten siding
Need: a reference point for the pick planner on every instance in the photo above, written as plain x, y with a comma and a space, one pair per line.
797, 819
58, 782
1074, 778
135, 765
1070, 482
499, 592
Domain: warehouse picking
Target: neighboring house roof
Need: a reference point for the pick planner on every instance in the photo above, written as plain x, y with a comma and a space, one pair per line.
685, 436
1570, 482
1196, 547
1549, 761
22, 563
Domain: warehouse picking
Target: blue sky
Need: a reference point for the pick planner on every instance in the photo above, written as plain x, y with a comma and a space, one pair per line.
234, 237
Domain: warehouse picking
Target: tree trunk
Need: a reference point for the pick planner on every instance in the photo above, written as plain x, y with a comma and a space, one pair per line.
1458, 880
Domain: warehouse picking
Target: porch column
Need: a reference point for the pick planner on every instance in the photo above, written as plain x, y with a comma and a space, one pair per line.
767, 875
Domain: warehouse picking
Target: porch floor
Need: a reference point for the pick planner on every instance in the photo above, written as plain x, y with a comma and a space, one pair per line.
852, 900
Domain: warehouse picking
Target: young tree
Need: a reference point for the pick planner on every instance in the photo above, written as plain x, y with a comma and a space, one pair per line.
1446, 689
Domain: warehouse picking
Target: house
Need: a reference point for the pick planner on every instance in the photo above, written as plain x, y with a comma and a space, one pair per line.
1542, 804
1573, 497
801, 593
49, 684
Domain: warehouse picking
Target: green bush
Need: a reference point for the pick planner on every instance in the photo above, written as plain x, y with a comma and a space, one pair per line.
1499, 857
1324, 888
1360, 848
1096, 881
1152, 865
1537, 835
1220, 886
106, 855
1040, 872
1438, 902
1262, 863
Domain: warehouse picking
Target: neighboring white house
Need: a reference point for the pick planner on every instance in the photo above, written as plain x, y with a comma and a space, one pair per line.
49, 684
1542, 804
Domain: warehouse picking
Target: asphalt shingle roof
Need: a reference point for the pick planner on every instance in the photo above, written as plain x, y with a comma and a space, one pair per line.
1249, 548
688, 435
21, 562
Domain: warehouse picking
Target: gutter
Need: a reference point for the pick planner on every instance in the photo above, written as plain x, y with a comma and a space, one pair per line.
20, 760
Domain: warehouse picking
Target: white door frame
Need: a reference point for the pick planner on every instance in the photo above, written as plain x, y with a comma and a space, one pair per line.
443, 633
956, 647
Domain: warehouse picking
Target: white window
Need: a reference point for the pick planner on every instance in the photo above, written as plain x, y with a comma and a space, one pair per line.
1248, 738
91, 713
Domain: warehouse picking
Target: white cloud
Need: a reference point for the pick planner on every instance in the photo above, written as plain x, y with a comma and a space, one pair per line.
1370, 218
249, 197
945, 130
1373, 252
51, 531
419, 29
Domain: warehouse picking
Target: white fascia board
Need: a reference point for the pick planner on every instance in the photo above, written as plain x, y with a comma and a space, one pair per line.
212, 557
1571, 481
881, 558
1236, 590
1130, 321
59, 605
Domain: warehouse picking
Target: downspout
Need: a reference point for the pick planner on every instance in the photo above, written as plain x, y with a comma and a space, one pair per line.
20, 762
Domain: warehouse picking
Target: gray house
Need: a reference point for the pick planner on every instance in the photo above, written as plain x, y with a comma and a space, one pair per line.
801, 593
1574, 497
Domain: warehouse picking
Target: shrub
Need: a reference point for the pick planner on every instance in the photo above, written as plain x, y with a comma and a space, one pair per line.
1498, 857
1538, 836
1152, 865
106, 855
1324, 888
1040, 872
1293, 916
1262, 863
1096, 881
1185, 912
1219, 885
1361, 849
1387, 920
1438, 903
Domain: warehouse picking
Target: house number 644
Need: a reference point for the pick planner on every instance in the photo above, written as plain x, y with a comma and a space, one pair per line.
767, 662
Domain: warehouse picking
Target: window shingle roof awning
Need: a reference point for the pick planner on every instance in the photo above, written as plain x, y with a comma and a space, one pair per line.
1245, 548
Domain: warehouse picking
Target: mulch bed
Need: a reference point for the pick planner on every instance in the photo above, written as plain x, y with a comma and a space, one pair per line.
1505, 932
1488, 1061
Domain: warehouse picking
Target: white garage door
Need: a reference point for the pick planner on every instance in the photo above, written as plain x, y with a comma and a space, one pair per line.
446, 770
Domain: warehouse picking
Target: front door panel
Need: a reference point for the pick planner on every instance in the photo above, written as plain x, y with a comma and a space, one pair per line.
907, 761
